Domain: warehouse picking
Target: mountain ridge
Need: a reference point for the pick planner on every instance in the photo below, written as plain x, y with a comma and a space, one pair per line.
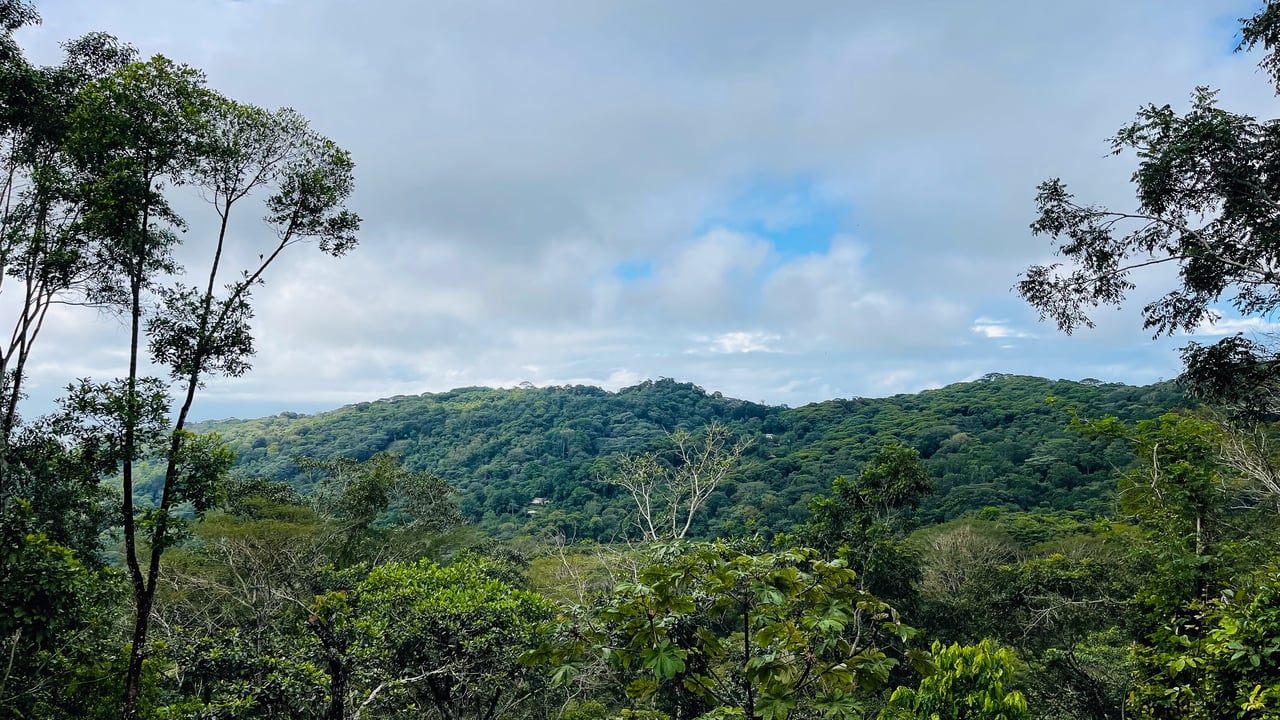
995, 441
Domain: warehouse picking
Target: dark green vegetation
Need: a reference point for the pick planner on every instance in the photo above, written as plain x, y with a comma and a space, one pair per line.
1006, 549
91, 148
1206, 188
1003, 441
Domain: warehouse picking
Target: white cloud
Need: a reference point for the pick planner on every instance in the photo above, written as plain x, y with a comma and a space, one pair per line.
1223, 326
743, 342
996, 329
510, 157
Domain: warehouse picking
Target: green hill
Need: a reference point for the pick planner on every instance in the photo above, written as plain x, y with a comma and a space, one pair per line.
1000, 441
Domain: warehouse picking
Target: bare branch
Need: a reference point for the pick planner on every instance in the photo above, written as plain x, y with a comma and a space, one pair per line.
393, 683
668, 497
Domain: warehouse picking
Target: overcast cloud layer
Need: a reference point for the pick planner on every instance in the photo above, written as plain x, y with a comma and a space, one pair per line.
785, 202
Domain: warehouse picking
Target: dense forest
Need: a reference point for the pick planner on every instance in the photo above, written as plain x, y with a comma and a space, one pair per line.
1002, 441
1003, 549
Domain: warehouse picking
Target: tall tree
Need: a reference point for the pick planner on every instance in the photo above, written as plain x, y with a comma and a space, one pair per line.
135, 132
46, 257
1208, 204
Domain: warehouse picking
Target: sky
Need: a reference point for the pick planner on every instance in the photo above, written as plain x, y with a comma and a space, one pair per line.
782, 202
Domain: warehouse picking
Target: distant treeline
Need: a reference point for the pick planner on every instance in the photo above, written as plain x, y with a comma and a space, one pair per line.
528, 459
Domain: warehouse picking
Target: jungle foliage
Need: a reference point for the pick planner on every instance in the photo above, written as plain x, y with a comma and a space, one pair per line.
1003, 441
1003, 549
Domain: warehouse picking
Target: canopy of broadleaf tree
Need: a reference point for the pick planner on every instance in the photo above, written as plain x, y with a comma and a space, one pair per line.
1208, 203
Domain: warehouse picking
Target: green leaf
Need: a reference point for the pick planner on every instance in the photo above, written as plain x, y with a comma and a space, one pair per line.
665, 660
565, 673
775, 707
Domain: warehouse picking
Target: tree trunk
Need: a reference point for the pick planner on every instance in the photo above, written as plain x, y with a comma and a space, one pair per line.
337, 687
141, 597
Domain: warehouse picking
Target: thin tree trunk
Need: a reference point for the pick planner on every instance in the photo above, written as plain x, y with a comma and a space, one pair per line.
142, 593
746, 654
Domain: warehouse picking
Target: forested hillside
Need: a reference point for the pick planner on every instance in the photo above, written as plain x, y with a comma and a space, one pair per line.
1001, 441
1012, 548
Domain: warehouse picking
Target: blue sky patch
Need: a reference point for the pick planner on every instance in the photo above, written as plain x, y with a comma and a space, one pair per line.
1227, 25
795, 214
632, 270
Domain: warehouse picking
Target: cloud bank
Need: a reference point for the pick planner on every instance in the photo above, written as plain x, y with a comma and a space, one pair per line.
780, 205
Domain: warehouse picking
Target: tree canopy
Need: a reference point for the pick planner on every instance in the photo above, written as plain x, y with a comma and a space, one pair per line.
1208, 205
